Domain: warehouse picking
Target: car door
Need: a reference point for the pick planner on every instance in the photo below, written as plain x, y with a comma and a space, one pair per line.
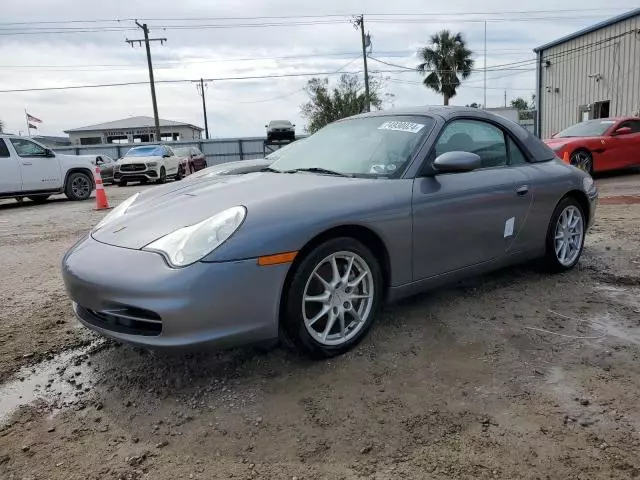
630, 143
40, 168
467, 218
172, 161
10, 175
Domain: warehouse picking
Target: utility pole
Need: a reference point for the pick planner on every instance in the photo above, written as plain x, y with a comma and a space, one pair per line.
202, 88
485, 64
505, 99
358, 22
146, 41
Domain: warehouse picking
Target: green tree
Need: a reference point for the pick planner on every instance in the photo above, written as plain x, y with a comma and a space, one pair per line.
445, 63
524, 108
347, 98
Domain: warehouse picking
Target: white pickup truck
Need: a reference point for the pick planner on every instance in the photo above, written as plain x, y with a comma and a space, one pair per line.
29, 169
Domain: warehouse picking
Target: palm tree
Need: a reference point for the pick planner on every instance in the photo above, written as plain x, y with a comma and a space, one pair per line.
444, 61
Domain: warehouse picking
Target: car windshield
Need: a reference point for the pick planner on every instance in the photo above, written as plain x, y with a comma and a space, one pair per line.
590, 128
379, 146
151, 151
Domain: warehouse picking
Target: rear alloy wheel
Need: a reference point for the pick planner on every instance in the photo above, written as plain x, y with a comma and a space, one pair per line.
583, 160
333, 299
565, 237
39, 198
179, 175
79, 186
163, 175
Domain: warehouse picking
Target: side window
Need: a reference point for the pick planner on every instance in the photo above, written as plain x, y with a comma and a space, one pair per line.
634, 125
516, 157
27, 148
4, 150
477, 137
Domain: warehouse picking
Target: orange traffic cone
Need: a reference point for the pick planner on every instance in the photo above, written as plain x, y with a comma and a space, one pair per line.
565, 158
101, 197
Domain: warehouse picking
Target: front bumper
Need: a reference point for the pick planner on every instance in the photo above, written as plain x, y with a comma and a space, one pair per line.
136, 176
134, 297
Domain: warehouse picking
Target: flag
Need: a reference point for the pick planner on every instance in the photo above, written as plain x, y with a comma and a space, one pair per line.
31, 118
31, 125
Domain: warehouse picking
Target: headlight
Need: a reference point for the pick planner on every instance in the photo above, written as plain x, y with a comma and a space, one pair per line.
587, 183
190, 244
117, 212
152, 164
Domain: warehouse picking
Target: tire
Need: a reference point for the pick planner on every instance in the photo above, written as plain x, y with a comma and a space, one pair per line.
303, 324
582, 159
163, 175
78, 187
575, 236
122, 183
39, 198
179, 175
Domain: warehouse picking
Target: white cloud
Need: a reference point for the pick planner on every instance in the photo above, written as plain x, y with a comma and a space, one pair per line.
32, 61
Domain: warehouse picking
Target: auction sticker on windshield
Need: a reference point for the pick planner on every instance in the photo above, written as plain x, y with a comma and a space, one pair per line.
402, 126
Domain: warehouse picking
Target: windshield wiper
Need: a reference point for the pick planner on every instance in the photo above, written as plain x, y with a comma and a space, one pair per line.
320, 170
273, 170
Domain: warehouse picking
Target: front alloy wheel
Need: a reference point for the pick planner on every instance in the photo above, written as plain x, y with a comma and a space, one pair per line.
333, 299
338, 298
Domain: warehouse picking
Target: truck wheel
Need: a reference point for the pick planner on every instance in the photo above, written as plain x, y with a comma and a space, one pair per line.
39, 198
78, 187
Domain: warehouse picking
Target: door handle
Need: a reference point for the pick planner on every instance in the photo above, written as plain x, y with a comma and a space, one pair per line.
523, 190
27, 163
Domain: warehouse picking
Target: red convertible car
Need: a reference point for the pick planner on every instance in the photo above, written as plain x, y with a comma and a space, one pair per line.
600, 145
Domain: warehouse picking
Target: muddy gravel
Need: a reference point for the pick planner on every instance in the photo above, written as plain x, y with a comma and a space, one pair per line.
514, 375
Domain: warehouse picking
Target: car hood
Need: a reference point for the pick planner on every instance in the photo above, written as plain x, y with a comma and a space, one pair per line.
162, 210
138, 160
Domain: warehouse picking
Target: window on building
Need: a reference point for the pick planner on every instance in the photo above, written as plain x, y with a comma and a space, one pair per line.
601, 109
91, 141
118, 139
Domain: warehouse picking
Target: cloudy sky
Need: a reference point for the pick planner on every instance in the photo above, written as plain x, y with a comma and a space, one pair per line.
84, 44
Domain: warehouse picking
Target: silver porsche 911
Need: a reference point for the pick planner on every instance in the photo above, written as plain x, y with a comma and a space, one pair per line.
367, 210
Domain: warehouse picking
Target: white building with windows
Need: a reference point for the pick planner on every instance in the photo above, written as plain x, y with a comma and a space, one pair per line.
133, 130
592, 73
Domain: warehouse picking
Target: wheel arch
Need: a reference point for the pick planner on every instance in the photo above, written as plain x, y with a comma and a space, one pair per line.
365, 235
582, 199
84, 170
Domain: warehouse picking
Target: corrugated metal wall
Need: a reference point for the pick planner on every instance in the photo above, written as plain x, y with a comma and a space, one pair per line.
571, 80
216, 151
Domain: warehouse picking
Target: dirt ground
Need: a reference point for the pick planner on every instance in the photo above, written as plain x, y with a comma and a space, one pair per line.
464, 382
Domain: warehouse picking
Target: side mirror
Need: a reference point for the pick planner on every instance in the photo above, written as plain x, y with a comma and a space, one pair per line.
622, 131
99, 161
49, 153
452, 162
166, 155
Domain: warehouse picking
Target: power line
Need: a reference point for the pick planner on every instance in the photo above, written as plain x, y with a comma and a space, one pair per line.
283, 17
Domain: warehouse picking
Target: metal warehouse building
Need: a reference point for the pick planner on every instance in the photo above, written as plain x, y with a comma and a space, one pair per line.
133, 130
593, 73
